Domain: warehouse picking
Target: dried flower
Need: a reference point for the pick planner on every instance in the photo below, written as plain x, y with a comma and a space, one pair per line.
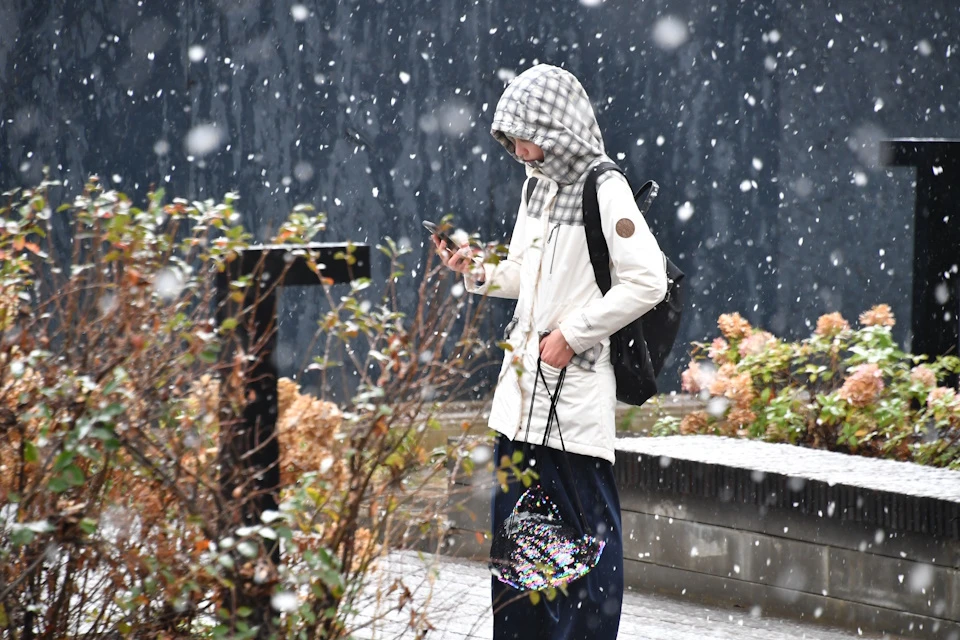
740, 390
718, 350
943, 396
694, 422
691, 377
736, 420
945, 404
737, 387
924, 375
831, 324
740, 417
722, 380
756, 343
879, 316
306, 429
863, 386
733, 326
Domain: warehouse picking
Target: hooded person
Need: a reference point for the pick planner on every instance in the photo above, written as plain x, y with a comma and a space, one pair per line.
560, 331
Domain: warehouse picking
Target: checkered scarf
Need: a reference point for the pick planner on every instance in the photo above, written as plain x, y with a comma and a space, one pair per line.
549, 107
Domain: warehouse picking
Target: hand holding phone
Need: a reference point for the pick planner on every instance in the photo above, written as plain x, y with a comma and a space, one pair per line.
441, 235
455, 258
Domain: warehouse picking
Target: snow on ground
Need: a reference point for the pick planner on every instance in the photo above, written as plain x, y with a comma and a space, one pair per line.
456, 593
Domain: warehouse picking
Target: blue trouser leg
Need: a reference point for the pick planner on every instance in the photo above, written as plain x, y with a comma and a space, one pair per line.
591, 608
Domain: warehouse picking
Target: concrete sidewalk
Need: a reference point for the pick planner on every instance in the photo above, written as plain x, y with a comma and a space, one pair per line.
456, 595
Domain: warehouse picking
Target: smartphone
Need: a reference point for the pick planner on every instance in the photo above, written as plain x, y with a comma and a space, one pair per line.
435, 230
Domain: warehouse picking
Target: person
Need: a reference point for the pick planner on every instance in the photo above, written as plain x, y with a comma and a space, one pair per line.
562, 322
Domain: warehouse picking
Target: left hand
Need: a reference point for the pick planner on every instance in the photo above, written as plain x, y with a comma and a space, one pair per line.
554, 350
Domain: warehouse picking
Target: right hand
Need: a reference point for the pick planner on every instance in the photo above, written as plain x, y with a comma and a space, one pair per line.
460, 259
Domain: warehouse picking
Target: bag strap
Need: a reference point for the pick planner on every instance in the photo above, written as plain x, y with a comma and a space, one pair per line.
531, 185
596, 243
553, 417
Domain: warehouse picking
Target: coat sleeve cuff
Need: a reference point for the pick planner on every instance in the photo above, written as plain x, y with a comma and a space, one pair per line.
473, 285
572, 340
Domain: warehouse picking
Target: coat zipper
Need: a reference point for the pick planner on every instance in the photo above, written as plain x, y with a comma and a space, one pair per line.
553, 258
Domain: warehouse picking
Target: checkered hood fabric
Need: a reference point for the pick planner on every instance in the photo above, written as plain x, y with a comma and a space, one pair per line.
549, 107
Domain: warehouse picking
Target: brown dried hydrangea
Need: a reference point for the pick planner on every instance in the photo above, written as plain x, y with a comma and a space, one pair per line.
740, 417
863, 386
756, 343
741, 390
722, 380
719, 350
831, 324
737, 387
306, 428
733, 326
945, 405
942, 395
690, 378
924, 375
694, 422
879, 316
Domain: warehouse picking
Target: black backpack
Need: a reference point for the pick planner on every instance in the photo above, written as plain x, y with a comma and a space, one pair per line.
638, 350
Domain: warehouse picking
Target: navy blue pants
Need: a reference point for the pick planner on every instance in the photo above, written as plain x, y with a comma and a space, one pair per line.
591, 608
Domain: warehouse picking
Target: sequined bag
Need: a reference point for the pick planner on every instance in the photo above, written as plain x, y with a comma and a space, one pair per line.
535, 548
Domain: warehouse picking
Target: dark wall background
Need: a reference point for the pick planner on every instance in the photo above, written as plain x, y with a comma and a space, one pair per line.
759, 119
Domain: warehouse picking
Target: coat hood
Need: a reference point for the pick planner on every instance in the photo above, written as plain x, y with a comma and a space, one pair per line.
548, 106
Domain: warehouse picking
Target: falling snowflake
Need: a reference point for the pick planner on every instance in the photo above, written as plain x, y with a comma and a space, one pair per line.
670, 32
299, 12
204, 139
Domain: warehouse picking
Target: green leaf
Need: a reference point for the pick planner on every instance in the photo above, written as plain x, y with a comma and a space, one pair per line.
88, 525
112, 410
30, 453
63, 460
73, 476
229, 324
22, 536
58, 485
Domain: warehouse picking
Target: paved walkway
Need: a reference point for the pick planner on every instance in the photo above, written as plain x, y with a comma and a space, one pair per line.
456, 594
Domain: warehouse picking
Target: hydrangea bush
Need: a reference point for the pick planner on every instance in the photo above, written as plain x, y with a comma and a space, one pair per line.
844, 389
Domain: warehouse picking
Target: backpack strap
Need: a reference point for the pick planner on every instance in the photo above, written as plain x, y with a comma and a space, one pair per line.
596, 243
531, 185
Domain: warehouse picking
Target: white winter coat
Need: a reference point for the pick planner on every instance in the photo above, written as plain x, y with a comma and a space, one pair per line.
548, 268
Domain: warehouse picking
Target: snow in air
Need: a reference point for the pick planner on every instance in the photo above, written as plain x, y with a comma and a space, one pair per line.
670, 32
299, 12
204, 139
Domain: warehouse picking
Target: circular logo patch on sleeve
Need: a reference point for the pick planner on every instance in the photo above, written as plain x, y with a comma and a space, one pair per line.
625, 227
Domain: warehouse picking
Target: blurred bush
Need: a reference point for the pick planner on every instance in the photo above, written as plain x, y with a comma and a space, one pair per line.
117, 389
